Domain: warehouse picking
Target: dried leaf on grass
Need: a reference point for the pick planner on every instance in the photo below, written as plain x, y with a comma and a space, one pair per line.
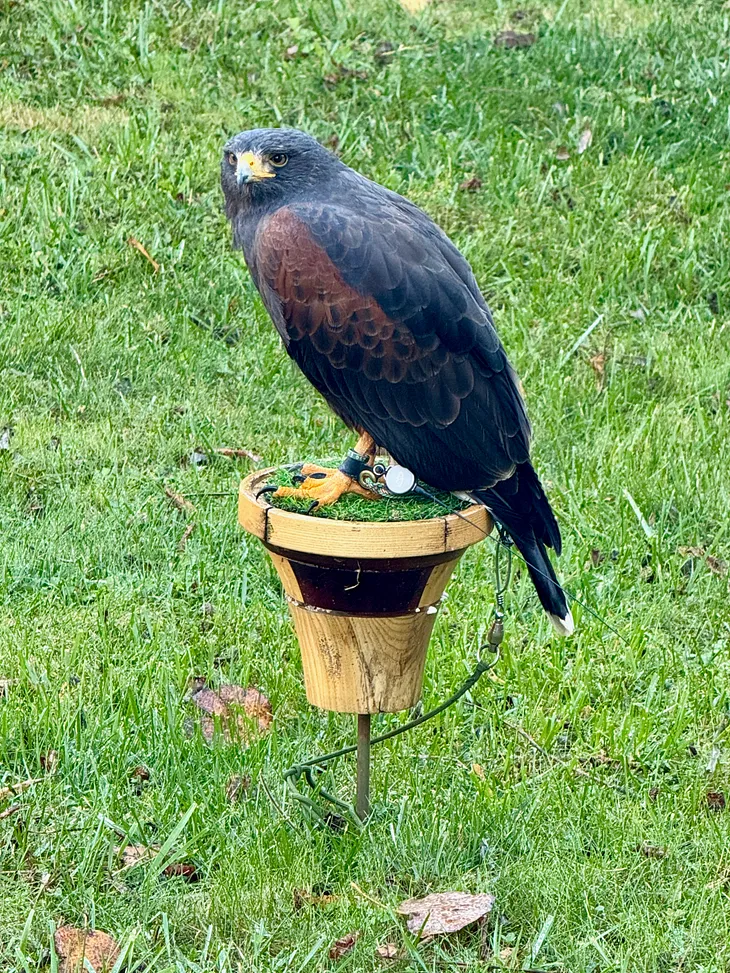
716, 801
14, 789
134, 242
512, 38
388, 951
562, 154
236, 707
716, 565
341, 947
73, 946
178, 501
470, 185
651, 851
302, 897
49, 761
236, 787
184, 870
187, 534
238, 454
444, 912
598, 364
132, 855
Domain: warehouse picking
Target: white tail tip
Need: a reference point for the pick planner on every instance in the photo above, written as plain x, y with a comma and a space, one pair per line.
563, 626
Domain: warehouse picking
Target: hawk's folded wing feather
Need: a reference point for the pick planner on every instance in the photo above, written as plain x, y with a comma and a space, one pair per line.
384, 317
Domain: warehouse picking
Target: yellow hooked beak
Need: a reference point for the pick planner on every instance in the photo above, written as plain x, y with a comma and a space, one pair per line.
251, 168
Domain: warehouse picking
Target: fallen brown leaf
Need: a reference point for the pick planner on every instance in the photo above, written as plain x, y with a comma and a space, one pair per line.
716, 565
444, 912
341, 947
238, 454
49, 761
478, 770
651, 851
187, 534
195, 684
653, 794
562, 154
236, 787
470, 185
226, 704
512, 38
716, 801
693, 551
132, 855
182, 870
14, 789
134, 242
597, 557
255, 705
302, 897
388, 951
210, 702
584, 142
598, 364
178, 501
73, 946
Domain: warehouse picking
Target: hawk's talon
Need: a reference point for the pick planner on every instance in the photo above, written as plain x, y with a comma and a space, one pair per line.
268, 488
324, 485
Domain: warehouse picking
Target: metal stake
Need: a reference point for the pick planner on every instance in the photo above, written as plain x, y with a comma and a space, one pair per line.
362, 804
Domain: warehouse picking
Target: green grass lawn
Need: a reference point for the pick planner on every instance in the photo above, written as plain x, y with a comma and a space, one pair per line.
112, 118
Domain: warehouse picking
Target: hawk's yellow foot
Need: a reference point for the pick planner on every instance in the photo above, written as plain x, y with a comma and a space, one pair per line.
324, 486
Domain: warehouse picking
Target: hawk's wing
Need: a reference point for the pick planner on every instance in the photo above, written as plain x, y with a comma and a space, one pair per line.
384, 317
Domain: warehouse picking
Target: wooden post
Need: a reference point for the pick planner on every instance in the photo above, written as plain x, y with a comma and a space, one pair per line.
364, 597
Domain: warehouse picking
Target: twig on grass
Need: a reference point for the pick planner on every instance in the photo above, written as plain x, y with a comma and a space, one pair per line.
182, 543
134, 242
178, 501
8, 811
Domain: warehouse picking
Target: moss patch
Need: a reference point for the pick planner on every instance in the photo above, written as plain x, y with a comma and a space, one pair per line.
352, 507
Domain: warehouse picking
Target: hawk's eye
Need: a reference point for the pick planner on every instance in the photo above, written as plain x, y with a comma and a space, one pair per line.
232, 159
278, 159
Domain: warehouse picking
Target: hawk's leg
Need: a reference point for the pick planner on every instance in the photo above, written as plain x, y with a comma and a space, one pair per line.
325, 485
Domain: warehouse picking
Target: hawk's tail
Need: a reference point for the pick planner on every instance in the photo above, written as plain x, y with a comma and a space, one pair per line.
522, 508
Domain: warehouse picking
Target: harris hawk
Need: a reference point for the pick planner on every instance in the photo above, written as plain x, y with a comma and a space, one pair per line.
383, 315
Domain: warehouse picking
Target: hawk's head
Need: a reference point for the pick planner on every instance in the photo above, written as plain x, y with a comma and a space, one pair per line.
272, 166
